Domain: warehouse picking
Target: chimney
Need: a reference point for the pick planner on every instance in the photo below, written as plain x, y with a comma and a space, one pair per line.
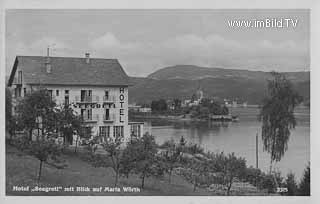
87, 57
47, 63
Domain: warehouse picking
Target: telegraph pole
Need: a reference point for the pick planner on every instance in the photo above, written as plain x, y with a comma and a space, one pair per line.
257, 154
257, 165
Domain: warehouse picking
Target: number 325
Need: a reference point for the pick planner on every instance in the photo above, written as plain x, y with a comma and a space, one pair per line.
282, 190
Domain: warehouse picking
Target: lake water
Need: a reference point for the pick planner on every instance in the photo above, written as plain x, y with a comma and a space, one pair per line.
240, 138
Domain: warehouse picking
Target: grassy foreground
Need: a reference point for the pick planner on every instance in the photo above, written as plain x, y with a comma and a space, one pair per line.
21, 170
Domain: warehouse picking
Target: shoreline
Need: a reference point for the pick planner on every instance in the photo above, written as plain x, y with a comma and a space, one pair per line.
218, 118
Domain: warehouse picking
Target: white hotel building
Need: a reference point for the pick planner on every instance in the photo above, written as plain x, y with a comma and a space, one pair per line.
97, 89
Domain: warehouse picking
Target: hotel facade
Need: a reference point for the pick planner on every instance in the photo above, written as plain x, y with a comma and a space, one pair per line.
96, 89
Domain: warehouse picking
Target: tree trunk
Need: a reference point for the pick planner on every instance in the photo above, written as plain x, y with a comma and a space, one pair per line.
142, 182
195, 184
272, 150
170, 173
228, 190
30, 134
75, 149
270, 170
116, 179
64, 143
275, 180
40, 169
42, 133
38, 134
229, 187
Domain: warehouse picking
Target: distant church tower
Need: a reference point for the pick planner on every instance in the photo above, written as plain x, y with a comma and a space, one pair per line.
199, 92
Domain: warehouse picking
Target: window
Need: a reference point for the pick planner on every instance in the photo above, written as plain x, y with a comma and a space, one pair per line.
57, 92
83, 95
19, 77
66, 100
106, 95
135, 130
50, 93
118, 131
104, 132
107, 115
83, 113
86, 114
89, 112
66, 97
86, 95
19, 92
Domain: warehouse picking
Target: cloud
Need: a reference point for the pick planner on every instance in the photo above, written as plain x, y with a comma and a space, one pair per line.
109, 41
140, 58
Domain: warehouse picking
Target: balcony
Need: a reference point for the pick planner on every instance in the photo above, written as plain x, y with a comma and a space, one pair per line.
109, 99
90, 118
109, 118
87, 99
17, 81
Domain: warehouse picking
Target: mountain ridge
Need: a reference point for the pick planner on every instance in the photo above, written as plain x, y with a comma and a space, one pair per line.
181, 81
196, 72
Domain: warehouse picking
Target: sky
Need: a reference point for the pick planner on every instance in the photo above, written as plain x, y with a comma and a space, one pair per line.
147, 40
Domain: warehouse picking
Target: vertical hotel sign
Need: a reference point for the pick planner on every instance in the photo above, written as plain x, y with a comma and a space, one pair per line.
121, 111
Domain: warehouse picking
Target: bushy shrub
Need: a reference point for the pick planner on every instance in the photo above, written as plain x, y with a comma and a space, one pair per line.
267, 182
193, 149
253, 175
167, 144
304, 186
21, 143
291, 185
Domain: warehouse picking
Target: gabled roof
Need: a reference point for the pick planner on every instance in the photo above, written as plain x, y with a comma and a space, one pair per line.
70, 71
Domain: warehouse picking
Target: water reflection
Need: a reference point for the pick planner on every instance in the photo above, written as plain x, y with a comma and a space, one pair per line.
205, 126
